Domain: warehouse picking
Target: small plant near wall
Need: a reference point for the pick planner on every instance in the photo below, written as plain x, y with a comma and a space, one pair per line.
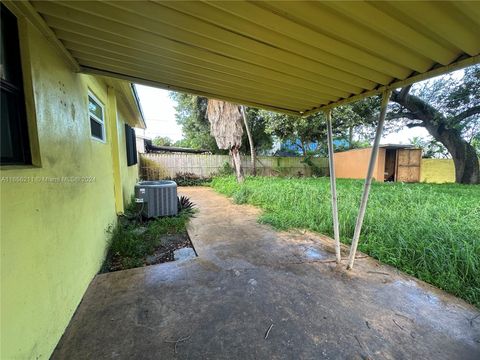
226, 169
136, 241
316, 170
185, 205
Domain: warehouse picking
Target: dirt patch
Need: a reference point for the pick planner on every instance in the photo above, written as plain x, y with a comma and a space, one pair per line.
161, 254
136, 241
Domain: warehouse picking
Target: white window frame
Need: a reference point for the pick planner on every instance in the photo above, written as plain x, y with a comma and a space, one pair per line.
101, 122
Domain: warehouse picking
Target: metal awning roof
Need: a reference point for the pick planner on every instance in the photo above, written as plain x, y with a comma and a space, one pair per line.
294, 57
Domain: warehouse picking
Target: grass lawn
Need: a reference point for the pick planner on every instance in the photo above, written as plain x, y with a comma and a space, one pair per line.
427, 230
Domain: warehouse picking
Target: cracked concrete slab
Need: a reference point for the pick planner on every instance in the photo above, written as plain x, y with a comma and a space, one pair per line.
249, 280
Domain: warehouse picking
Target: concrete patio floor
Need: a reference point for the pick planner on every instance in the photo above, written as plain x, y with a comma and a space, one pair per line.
250, 280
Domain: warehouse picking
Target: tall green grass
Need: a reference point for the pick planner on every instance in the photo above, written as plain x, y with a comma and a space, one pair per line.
427, 230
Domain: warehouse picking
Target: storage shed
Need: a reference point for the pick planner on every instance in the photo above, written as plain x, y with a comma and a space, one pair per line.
394, 163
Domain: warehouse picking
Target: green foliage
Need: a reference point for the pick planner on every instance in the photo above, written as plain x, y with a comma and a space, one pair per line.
475, 142
427, 230
241, 196
360, 117
353, 145
453, 96
316, 170
185, 205
261, 139
189, 179
449, 108
184, 143
162, 141
287, 151
430, 148
457, 99
131, 240
285, 127
226, 169
192, 116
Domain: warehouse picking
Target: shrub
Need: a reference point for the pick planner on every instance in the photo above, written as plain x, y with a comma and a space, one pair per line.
226, 169
190, 179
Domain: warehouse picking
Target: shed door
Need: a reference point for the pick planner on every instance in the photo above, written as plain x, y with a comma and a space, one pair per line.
408, 165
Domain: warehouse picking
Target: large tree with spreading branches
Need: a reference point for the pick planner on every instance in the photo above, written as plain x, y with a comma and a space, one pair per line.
449, 108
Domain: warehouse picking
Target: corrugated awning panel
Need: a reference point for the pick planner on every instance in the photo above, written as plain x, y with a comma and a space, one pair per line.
288, 56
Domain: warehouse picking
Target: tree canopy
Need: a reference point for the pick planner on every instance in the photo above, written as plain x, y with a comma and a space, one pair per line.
449, 108
162, 141
191, 115
456, 100
359, 117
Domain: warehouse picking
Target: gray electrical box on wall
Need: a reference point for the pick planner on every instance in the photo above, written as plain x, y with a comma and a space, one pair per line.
159, 198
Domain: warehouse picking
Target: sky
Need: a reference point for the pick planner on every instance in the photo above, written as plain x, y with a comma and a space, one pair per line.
159, 112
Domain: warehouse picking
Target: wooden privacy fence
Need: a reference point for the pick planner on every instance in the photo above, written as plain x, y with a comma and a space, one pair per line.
161, 166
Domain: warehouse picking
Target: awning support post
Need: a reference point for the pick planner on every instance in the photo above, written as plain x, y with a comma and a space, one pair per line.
333, 186
368, 179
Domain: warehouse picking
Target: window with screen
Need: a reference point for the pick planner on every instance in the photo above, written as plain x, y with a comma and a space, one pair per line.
131, 144
14, 143
96, 113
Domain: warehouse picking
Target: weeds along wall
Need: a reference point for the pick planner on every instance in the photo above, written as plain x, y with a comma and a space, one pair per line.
53, 231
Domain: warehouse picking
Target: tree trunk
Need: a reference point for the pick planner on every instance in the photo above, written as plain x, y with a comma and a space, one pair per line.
463, 154
237, 163
350, 137
250, 141
304, 148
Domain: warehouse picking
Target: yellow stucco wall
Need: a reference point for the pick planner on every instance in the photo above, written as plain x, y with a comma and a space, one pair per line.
437, 171
53, 233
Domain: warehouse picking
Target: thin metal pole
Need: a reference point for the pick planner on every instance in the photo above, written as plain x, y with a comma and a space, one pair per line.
368, 179
333, 187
